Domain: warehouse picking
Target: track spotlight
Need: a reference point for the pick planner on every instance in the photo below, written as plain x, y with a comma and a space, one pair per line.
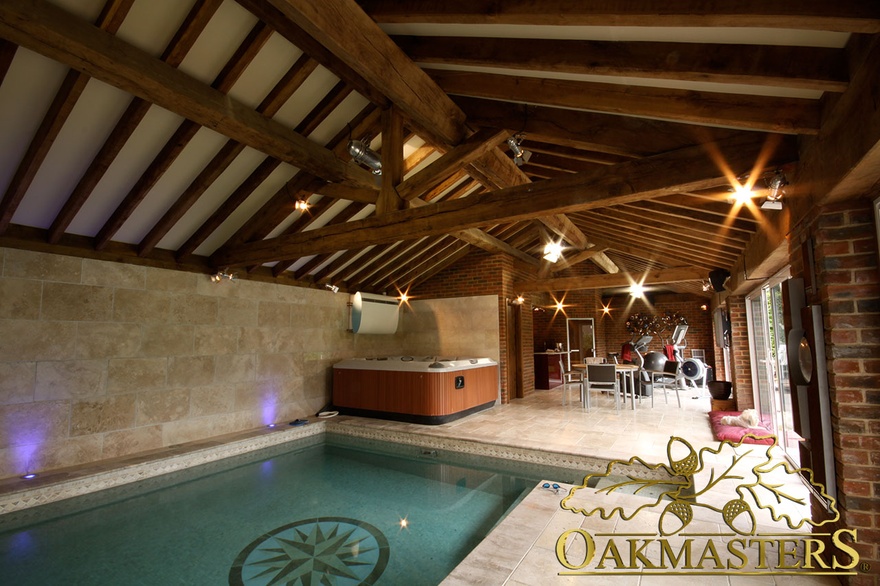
224, 274
364, 155
706, 284
302, 205
775, 190
333, 288
552, 251
520, 155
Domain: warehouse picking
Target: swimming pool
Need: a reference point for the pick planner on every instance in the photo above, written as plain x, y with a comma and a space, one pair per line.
357, 511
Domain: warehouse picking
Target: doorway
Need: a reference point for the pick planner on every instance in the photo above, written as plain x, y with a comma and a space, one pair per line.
770, 363
580, 339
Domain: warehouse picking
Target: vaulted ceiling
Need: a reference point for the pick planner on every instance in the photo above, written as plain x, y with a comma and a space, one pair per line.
182, 133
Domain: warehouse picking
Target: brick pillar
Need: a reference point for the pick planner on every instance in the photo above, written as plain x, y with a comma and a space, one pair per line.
740, 363
844, 239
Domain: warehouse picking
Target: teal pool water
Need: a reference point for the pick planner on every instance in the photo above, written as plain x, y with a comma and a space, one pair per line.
332, 510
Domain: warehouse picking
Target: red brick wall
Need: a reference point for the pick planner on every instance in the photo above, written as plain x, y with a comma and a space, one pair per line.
740, 369
699, 335
847, 284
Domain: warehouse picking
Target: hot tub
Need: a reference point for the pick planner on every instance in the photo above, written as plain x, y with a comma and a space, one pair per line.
418, 389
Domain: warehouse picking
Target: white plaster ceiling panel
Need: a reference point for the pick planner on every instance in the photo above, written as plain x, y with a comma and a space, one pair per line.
151, 24
157, 126
306, 97
214, 196
266, 69
251, 205
25, 95
192, 160
223, 34
82, 136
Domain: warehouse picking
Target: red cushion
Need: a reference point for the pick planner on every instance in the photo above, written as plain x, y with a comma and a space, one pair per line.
735, 433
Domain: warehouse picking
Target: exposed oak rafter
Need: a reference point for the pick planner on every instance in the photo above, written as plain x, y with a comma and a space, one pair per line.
54, 33
673, 275
686, 169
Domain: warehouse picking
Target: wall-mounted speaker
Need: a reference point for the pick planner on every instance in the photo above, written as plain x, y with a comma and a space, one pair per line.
721, 327
718, 277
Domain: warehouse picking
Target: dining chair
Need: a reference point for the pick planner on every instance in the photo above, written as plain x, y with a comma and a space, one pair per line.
603, 377
574, 377
666, 379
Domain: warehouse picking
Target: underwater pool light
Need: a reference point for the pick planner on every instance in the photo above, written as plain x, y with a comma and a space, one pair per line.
29, 476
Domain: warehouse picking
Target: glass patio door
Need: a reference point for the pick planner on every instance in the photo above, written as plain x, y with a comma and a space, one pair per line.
770, 364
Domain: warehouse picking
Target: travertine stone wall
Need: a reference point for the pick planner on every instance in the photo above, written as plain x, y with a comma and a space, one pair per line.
100, 359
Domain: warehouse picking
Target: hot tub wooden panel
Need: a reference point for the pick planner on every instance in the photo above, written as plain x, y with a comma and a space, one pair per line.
429, 397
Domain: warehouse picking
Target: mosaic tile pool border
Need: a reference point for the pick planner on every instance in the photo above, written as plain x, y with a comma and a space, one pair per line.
27, 497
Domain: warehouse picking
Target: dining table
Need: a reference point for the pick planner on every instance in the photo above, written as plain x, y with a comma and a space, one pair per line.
625, 372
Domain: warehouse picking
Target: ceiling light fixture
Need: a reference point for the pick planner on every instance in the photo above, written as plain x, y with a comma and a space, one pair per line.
302, 205
333, 288
706, 284
636, 290
224, 274
552, 251
520, 155
364, 155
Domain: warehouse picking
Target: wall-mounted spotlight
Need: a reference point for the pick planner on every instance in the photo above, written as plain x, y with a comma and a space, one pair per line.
224, 274
552, 251
333, 288
706, 284
364, 155
520, 155
518, 300
775, 190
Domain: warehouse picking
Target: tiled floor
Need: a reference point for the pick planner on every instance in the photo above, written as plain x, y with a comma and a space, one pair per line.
522, 550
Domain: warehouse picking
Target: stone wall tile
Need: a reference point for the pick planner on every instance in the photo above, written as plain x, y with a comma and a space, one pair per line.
33, 424
70, 379
70, 452
193, 309
26, 340
237, 312
100, 415
142, 307
132, 441
235, 368
17, 382
42, 266
167, 340
113, 274
190, 371
273, 313
274, 366
216, 339
172, 281
70, 302
161, 406
20, 299
130, 375
211, 400
107, 340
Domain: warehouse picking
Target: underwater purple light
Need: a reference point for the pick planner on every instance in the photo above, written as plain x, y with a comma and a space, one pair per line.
29, 475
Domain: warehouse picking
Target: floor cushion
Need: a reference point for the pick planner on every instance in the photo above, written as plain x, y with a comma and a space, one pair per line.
735, 433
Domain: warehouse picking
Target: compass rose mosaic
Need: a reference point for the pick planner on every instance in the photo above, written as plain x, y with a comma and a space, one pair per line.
324, 550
